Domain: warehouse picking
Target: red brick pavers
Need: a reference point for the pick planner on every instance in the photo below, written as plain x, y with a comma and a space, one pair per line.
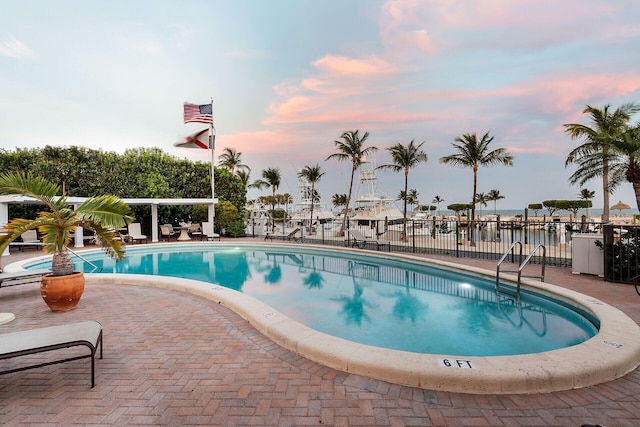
175, 359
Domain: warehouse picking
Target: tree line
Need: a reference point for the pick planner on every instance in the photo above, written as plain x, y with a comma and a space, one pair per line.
138, 173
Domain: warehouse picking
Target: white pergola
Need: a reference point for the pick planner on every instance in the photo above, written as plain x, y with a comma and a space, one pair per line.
5, 201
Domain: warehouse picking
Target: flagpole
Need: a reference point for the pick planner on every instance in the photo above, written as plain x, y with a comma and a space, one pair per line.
212, 146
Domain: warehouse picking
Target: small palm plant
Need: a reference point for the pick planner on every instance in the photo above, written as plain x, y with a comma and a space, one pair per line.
100, 214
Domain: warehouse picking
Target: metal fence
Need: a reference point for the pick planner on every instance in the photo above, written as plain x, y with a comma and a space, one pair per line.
621, 246
460, 238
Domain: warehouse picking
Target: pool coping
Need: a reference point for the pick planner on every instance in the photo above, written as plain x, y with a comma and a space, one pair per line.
610, 354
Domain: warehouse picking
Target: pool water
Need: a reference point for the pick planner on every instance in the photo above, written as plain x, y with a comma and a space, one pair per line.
375, 301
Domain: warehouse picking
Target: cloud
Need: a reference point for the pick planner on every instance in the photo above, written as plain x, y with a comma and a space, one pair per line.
341, 66
14, 48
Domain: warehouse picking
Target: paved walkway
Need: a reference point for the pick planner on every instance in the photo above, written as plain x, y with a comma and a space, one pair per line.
176, 359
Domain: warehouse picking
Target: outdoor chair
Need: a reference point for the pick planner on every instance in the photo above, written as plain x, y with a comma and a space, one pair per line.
135, 233
292, 235
30, 240
207, 230
358, 239
166, 232
195, 231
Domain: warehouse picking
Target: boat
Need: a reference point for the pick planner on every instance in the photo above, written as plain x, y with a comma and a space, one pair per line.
374, 211
258, 220
301, 213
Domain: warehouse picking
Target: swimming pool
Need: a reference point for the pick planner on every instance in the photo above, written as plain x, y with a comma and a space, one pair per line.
612, 352
373, 301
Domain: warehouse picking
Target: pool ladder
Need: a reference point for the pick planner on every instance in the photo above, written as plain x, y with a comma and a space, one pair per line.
521, 266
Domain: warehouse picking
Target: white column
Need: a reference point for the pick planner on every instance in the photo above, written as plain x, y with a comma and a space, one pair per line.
4, 219
154, 223
79, 241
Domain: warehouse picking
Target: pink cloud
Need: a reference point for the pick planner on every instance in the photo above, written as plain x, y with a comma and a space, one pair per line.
344, 66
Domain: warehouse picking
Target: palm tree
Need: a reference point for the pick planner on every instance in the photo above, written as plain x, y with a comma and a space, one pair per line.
592, 157
482, 200
494, 196
312, 174
351, 148
339, 200
472, 153
405, 158
270, 178
437, 200
100, 214
231, 160
412, 197
244, 176
287, 199
625, 162
587, 195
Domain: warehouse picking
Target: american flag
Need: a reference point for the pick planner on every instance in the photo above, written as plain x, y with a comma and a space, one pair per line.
198, 113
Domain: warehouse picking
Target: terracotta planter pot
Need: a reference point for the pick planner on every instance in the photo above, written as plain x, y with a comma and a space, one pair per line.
62, 293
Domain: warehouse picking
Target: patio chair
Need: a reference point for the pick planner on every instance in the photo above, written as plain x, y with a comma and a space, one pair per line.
195, 231
166, 232
207, 230
358, 239
292, 235
135, 233
29, 240
636, 283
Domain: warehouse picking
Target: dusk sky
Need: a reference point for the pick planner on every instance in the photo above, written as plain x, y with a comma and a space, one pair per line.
288, 77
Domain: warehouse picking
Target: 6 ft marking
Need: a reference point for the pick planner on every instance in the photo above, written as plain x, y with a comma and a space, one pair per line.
456, 363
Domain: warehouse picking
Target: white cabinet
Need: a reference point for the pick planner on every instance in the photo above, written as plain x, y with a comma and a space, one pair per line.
586, 257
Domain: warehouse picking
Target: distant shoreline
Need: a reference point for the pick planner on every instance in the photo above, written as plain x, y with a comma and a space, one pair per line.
593, 212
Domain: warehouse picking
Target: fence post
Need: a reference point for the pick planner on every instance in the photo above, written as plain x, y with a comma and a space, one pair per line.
413, 235
607, 241
457, 242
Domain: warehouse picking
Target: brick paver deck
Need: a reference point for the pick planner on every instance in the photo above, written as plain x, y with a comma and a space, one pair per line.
175, 359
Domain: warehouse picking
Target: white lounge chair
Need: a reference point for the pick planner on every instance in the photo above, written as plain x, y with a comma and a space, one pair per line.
29, 240
358, 239
135, 233
291, 235
207, 230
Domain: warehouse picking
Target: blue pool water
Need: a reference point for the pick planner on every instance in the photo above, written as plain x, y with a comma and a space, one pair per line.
375, 301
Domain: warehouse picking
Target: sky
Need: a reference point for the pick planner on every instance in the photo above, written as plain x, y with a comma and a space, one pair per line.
288, 77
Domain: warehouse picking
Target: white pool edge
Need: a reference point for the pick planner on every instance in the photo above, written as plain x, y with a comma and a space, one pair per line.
612, 353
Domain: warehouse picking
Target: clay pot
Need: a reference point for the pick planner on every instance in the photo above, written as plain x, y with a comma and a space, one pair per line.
62, 293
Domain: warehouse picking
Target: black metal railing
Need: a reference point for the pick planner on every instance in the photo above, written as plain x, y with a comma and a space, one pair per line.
483, 239
621, 246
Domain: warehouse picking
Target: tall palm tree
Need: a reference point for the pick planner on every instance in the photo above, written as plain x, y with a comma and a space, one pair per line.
351, 148
494, 196
482, 199
472, 153
270, 178
405, 158
312, 174
592, 157
231, 159
437, 200
625, 162
586, 195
